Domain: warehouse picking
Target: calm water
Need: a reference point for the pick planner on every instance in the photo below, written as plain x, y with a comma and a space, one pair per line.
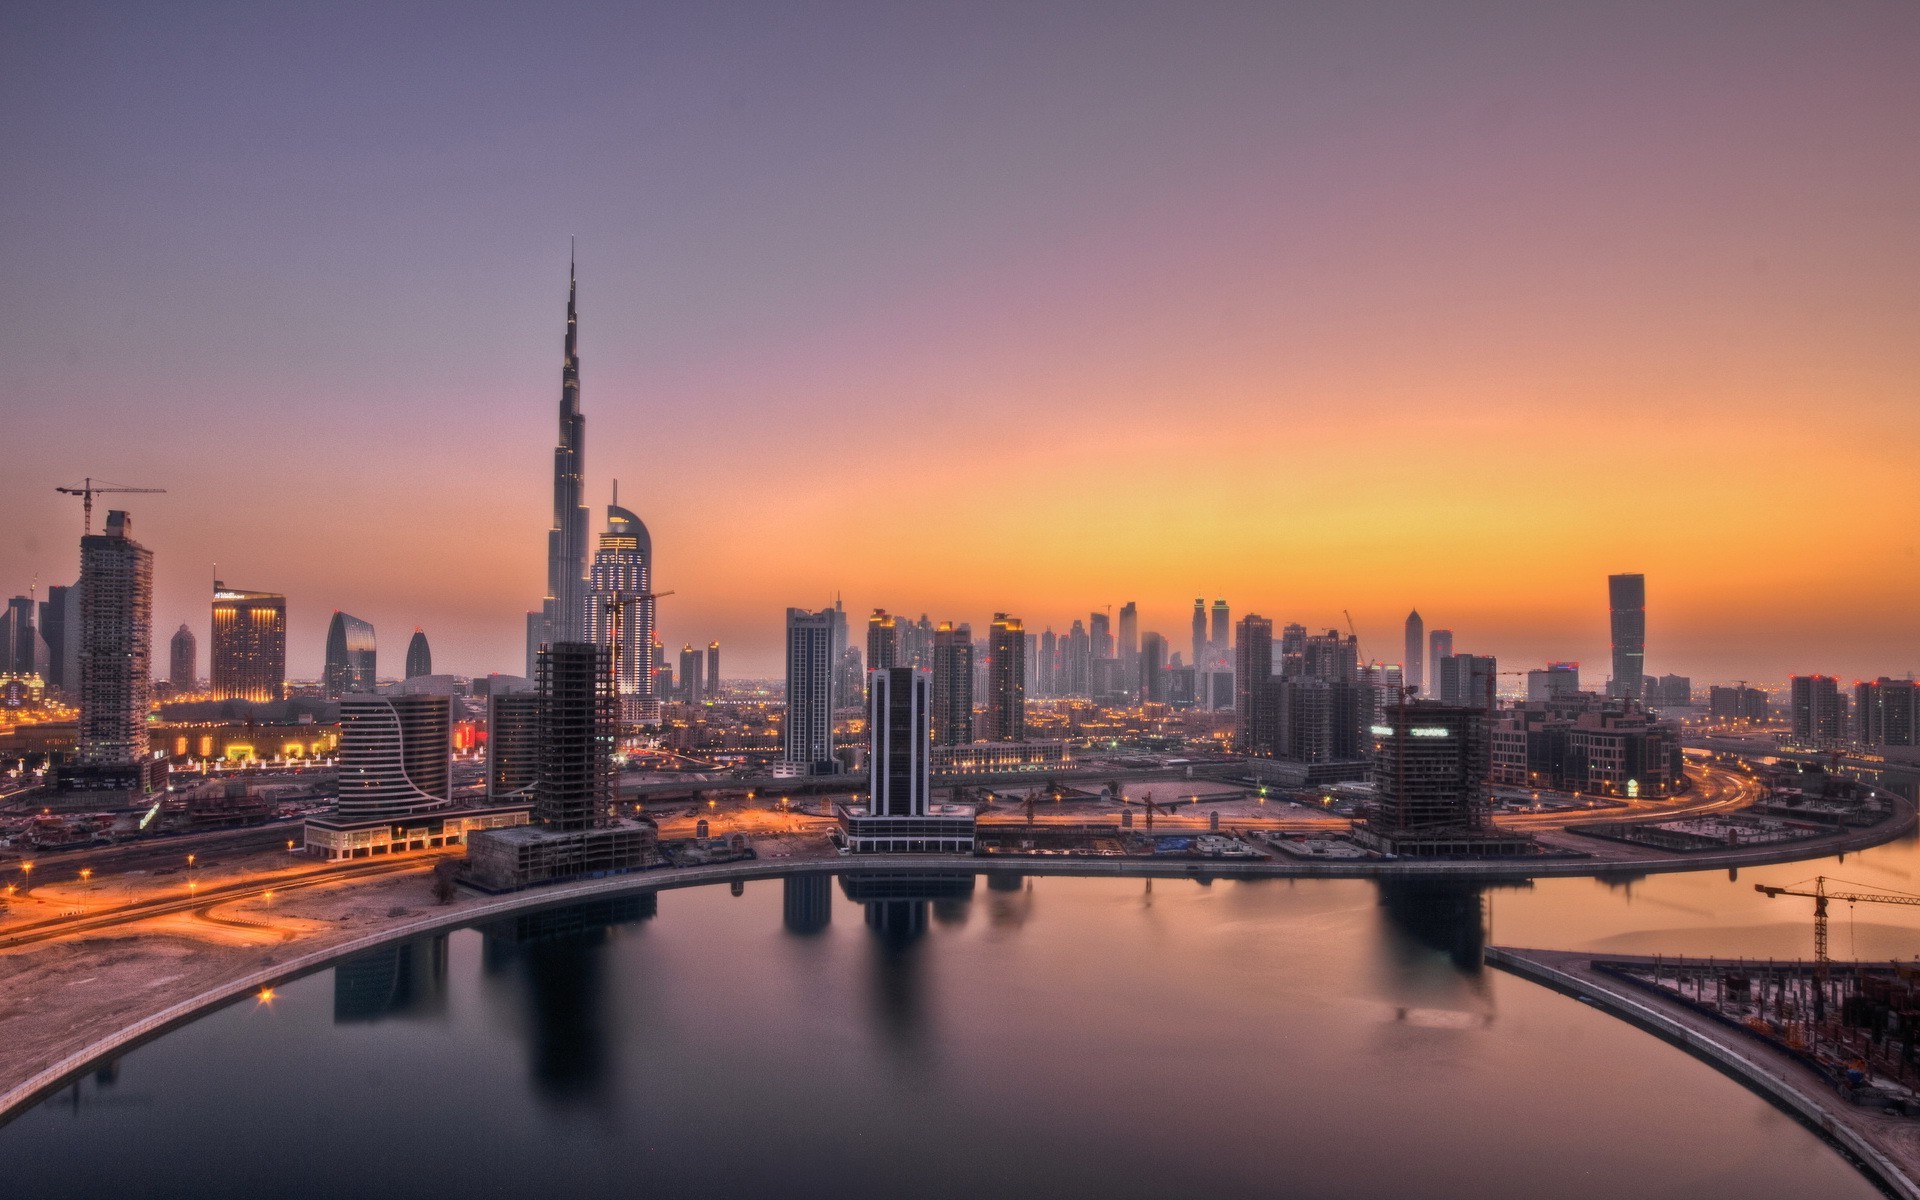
968, 1038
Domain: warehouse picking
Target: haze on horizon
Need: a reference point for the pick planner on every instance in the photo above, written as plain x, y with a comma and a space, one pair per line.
963, 308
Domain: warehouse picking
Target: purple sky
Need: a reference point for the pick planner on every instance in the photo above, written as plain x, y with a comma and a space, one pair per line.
1327, 306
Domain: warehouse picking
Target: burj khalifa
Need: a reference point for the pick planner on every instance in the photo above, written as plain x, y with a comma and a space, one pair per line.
563, 613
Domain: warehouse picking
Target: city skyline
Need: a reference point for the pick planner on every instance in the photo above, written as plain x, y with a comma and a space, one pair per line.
1720, 320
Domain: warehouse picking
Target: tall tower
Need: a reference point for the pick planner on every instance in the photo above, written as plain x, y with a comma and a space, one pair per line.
952, 684
248, 656
1627, 600
808, 736
563, 613
116, 649
184, 659
1007, 680
350, 656
621, 596
1415, 668
419, 656
1202, 659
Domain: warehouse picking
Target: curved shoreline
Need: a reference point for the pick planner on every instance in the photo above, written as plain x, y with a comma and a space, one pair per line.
44, 1082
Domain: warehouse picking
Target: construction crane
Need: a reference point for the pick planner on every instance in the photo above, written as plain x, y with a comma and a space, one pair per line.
1820, 895
87, 491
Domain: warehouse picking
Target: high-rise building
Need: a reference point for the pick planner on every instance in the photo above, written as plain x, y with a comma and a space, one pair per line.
1079, 661
513, 745
692, 690
1818, 710
808, 737
1558, 681
1152, 688
1467, 680
350, 656
1048, 682
1100, 631
1291, 659
883, 641
1439, 646
419, 655
1253, 696
184, 661
1202, 652
1129, 651
579, 726
1670, 691
713, 668
19, 644
1415, 669
1430, 768
621, 600
1738, 704
116, 666
1007, 680
248, 658
1216, 677
952, 684
396, 755
1627, 602
847, 689
900, 815
60, 634
563, 613
1886, 712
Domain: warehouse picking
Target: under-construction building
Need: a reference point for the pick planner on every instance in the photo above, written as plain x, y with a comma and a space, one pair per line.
1430, 767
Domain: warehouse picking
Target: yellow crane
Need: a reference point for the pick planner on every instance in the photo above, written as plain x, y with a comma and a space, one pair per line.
1820, 895
87, 491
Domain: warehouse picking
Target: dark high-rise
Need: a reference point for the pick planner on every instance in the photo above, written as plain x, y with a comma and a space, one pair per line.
1253, 693
1414, 670
1079, 661
248, 658
1818, 709
19, 644
1202, 654
1152, 687
692, 690
808, 736
713, 668
1047, 683
184, 661
60, 633
419, 656
579, 725
563, 612
1129, 651
1007, 680
1627, 602
116, 665
901, 764
513, 745
1100, 629
1439, 646
350, 656
883, 641
1467, 680
952, 684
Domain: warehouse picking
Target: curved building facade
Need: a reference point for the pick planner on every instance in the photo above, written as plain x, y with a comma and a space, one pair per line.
350, 655
419, 657
620, 596
396, 755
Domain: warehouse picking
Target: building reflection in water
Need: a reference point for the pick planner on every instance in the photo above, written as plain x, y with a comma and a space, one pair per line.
405, 980
556, 960
808, 904
897, 904
1444, 915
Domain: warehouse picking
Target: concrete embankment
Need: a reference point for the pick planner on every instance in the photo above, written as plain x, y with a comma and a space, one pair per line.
1885, 1148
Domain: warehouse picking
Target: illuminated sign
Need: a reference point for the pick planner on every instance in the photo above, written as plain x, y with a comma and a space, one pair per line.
1428, 731
1382, 731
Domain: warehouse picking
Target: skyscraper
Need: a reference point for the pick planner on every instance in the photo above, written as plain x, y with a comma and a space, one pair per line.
116, 665
952, 684
883, 641
513, 745
1216, 681
1818, 709
563, 613
1627, 602
419, 657
691, 689
19, 644
1414, 671
1202, 655
901, 763
1439, 646
1467, 680
248, 659
713, 668
808, 737
60, 633
396, 755
350, 656
1007, 680
1253, 693
1079, 661
1130, 645
1100, 630
1152, 686
1048, 683
620, 596
579, 726
184, 661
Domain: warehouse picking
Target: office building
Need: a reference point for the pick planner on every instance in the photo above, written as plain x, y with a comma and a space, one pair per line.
1415, 670
1467, 680
419, 655
713, 669
1439, 646
1100, 633
183, 659
692, 688
115, 761
808, 736
1047, 683
1817, 710
350, 656
1007, 680
1254, 699
1614, 748
19, 642
1627, 611
1557, 681
900, 815
1152, 655
620, 608
952, 684
1886, 712
60, 635
1202, 649
883, 641
1079, 661
1669, 691
395, 755
248, 656
1129, 648
563, 612
513, 745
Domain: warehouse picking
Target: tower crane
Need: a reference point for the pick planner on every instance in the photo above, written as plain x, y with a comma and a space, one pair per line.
1820, 895
87, 491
